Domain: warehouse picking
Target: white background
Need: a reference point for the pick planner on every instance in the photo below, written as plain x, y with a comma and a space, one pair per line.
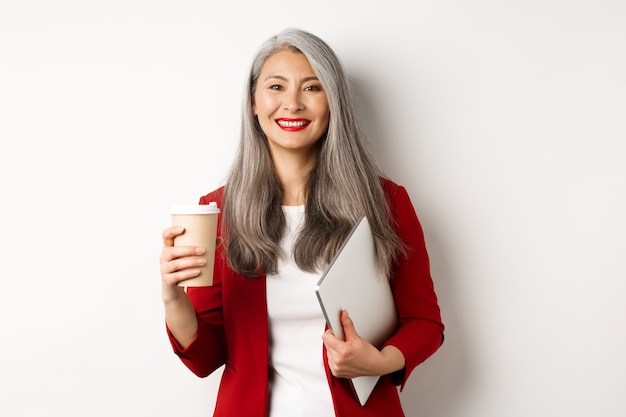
504, 120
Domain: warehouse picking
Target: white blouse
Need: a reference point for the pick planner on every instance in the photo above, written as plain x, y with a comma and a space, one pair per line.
298, 384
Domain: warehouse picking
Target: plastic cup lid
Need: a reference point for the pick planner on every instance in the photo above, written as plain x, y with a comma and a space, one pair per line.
210, 208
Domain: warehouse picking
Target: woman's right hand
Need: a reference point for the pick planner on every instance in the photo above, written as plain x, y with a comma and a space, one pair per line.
178, 263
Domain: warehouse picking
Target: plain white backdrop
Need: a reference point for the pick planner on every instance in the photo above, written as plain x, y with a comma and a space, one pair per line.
504, 120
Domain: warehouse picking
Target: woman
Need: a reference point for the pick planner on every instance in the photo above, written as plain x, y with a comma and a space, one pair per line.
301, 179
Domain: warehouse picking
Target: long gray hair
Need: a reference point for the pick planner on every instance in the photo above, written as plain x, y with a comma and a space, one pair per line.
344, 185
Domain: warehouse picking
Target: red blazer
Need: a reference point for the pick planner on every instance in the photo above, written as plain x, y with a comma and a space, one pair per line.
233, 328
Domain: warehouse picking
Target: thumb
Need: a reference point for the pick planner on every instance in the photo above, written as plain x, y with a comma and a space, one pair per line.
348, 326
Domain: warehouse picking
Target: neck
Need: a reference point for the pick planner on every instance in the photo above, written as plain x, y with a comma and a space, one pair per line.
293, 172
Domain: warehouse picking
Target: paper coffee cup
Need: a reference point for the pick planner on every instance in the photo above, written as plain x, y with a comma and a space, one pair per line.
200, 223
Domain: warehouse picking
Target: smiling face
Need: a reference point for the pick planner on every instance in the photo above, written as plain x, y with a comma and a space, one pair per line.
290, 103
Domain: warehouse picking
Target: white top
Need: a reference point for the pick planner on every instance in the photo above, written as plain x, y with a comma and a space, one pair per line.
298, 384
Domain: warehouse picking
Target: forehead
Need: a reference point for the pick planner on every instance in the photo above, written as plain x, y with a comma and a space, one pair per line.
286, 62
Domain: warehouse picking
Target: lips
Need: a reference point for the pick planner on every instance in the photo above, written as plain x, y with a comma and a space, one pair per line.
292, 125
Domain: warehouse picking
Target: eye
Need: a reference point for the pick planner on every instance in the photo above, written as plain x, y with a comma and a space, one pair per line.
313, 88
275, 87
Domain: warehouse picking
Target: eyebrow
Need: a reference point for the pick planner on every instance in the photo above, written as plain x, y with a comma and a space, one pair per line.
280, 77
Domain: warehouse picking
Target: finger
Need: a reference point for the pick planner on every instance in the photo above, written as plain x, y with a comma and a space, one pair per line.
170, 253
175, 277
181, 269
348, 326
330, 340
170, 233
181, 257
181, 264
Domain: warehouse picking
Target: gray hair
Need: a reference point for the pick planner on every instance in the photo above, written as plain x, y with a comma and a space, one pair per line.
344, 185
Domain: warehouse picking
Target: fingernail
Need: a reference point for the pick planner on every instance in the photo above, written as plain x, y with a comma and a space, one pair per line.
199, 251
201, 261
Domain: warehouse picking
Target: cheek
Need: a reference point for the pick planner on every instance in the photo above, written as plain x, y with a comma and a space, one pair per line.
327, 121
325, 115
263, 105
323, 109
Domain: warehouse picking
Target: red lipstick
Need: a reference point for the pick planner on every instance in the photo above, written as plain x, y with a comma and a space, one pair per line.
292, 125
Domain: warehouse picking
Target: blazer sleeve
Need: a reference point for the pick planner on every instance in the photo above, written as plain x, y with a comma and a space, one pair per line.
207, 351
420, 331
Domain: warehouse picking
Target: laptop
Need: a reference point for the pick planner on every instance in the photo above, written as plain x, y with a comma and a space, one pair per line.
353, 282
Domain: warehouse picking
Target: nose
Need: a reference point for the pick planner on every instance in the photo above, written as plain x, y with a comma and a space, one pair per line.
293, 101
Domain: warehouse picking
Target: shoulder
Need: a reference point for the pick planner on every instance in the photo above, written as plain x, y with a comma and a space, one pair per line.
391, 189
400, 204
215, 195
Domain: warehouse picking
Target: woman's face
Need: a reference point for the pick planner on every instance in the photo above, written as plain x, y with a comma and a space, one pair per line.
290, 103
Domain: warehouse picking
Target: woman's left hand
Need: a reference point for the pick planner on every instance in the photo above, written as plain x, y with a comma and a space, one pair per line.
356, 356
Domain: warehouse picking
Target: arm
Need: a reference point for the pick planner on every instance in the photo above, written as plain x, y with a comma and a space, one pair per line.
194, 318
420, 331
177, 264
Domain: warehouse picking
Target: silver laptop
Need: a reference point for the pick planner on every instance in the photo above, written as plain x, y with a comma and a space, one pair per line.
353, 282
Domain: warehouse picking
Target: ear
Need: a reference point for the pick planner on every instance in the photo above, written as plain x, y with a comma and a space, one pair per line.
253, 102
